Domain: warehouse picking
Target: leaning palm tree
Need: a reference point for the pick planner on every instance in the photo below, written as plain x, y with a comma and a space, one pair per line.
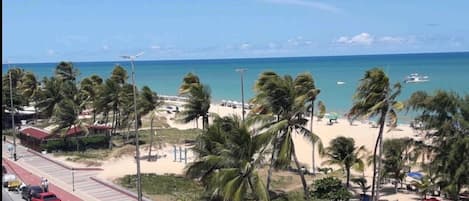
189, 81
304, 84
228, 156
343, 152
197, 106
280, 97
374, 97
90, 89
148, 102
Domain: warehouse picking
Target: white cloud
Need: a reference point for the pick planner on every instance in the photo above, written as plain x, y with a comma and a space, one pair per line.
50, 52
245, 46
105, 47
272, 45
360, 39
155, 47
392, 40
309, 4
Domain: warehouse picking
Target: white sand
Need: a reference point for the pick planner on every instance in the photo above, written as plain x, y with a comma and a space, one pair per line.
361, 132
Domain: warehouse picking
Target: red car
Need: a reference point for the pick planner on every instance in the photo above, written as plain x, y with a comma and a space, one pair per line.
47, 196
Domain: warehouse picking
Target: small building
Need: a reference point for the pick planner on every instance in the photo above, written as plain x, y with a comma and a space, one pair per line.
34, 138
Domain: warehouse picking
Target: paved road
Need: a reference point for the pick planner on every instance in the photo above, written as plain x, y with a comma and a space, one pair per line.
85, 187
10, 195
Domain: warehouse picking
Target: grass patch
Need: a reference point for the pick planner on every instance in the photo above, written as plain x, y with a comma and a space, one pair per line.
171, 135
281, 181
170, 187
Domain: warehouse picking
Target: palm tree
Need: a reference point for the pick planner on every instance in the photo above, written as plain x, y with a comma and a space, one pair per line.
424, 186
342, 151
304, 84
394, 158
445, 117
119, 75
49, 95
361, 181
281, 96
374, 97
189, 81
110, 100
322, 110
66, 71
228, 156
198, 104
90, 89
148, 103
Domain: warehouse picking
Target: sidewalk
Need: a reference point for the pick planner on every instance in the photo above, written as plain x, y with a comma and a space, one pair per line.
82, 180
30, 178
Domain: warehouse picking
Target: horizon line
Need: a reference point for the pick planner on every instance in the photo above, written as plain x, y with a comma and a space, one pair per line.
239, 58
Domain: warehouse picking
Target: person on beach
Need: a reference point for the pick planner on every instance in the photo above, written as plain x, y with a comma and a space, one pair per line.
43, 181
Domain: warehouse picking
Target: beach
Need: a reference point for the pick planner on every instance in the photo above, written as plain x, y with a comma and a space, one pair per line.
361, 131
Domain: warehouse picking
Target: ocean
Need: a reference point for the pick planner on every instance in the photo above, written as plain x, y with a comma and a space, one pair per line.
448, 71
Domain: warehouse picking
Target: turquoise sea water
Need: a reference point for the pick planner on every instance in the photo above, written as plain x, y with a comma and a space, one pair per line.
449, 71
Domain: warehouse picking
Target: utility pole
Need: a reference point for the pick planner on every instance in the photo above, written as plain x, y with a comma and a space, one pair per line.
137, 157
12, 111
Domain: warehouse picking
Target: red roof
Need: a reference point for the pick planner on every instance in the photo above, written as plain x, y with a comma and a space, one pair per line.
35, 133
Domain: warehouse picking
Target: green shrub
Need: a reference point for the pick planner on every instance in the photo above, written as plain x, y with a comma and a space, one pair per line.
330, 188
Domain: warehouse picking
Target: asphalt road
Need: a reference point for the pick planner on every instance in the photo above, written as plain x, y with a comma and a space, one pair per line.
10, 195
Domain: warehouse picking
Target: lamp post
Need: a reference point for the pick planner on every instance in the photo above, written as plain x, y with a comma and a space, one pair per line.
241, 71
139, 189
73, 179
12, 111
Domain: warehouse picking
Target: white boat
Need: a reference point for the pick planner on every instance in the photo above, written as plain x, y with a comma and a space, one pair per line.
415, 77
340, 82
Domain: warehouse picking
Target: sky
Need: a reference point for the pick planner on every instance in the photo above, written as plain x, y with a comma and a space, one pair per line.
90, 30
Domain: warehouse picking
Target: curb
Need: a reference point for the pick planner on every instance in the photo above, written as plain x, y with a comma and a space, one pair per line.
61, 164
116, 188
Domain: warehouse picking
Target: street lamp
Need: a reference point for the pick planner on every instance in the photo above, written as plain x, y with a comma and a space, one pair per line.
139, 189
73, 179
241, 71
12, 111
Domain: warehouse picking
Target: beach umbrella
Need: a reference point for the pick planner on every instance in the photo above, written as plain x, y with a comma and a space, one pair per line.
332, 115
415, 175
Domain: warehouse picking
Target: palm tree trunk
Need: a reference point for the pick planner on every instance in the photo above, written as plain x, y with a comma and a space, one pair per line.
380, 153
151, 138
373, 185
302, 176
114, 127
271, 167
348, 176
311, 129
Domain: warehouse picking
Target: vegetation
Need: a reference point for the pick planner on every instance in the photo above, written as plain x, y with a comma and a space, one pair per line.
343, 152
281, 104
445, 117
395, 158
228, 158
375, 97
199, 100
177, 187
231, 152
330, 188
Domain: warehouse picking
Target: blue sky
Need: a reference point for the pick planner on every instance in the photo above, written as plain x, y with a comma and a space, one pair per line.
89, 30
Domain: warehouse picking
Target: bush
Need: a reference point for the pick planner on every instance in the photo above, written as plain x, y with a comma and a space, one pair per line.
330, 188
70, 144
